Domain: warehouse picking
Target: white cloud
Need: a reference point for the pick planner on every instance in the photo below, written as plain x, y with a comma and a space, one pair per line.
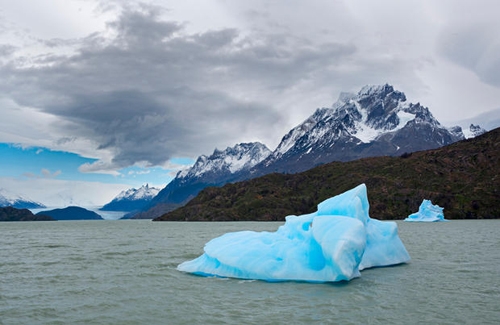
44, 173
100, 166
48, 174
24, 125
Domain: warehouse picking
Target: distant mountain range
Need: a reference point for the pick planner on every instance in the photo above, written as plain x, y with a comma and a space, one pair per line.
377, 121
132, 199
9, 199
462, 178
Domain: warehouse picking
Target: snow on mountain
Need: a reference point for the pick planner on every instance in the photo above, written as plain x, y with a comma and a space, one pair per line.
8, 198
242, 156
376, 121
132, 199
143, 193
473, 131
296, 133
456, 131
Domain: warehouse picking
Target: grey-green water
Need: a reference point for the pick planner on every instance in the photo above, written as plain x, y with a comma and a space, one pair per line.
124, 272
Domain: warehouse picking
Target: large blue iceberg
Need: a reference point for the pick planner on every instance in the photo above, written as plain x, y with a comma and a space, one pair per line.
427, 212
332, 244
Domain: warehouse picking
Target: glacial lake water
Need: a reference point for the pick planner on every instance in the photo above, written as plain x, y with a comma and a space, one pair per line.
124, 272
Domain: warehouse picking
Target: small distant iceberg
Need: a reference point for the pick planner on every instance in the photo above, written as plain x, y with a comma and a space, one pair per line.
427, 212
332, 244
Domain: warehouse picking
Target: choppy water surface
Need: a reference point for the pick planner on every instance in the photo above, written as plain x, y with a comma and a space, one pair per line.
124, 272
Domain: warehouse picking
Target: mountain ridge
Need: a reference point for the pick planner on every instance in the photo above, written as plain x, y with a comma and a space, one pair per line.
461, 177
376, 121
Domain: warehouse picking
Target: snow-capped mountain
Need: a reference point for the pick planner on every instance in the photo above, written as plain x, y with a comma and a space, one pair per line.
221, 167
9, 199
132, 199
235, 159
376, 121
474, 131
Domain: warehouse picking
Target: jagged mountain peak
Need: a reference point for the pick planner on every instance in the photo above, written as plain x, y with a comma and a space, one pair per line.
371, 94
364, 116
474, 131
377, 120
143, 192
380, 90
240, 157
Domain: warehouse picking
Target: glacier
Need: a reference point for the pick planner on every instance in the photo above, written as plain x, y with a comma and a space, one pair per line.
427, 212
332, 244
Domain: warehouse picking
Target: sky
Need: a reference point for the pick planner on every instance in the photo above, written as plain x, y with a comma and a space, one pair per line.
100, 96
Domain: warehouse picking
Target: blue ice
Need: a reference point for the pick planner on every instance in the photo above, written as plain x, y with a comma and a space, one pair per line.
427, 212
332, 244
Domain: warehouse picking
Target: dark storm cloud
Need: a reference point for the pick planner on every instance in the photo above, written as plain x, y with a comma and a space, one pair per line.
154, 92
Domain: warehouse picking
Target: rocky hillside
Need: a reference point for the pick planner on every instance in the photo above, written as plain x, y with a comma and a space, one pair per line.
462, 177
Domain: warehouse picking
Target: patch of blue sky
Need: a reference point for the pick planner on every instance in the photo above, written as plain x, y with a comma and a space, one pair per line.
17, 161
155, 175
37, 162
183, 161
